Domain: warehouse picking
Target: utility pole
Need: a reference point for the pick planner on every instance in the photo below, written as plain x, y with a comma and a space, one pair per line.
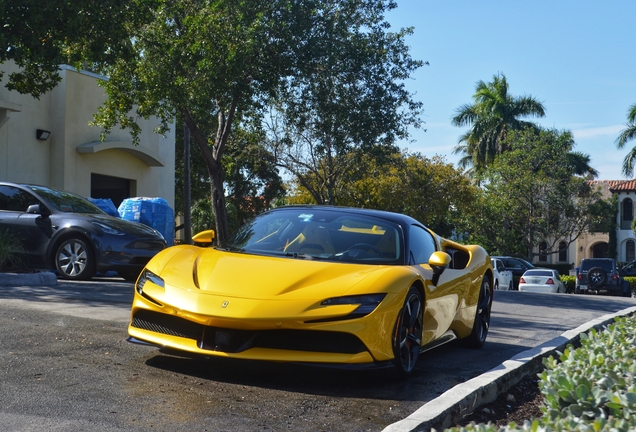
187, 194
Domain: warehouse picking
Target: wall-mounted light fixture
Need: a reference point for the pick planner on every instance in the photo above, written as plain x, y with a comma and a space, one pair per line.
581, 249
42, 134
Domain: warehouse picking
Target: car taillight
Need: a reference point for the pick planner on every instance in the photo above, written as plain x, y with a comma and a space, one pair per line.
549, 282
615, 277
521, 280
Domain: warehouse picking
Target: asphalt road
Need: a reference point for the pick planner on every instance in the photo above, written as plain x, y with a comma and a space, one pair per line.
66, 366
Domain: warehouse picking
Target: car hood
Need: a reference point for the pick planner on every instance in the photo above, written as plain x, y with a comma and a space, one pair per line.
137, 229
230, 274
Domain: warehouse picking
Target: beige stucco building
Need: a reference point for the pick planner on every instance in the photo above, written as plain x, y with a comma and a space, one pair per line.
72, 157
595, 245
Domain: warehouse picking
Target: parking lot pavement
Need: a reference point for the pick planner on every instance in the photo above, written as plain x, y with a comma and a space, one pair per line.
107, 298
110, 298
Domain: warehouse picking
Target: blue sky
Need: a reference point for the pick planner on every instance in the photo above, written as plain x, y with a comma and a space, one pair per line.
576, 57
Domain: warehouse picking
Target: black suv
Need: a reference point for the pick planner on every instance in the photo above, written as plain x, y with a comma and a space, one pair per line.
601, 274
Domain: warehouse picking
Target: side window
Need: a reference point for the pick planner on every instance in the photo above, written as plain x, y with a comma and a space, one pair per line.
630, 250
628, 209
421, 245
14, 199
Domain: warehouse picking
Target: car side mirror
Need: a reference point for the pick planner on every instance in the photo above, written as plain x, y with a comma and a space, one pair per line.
439, 261
204, 238
38, 209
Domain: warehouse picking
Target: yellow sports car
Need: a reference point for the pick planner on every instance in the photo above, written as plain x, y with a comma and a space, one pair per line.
316, 284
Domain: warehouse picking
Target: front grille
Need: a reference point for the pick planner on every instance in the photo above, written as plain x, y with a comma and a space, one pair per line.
167, 324
234, 341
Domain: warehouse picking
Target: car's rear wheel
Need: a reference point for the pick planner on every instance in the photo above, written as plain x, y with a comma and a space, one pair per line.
496, 284
482, 317
74, 260
407, 335
596, 276
510, 286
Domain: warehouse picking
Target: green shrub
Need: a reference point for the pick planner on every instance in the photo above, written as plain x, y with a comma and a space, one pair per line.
590, 388
11, 251
569, 282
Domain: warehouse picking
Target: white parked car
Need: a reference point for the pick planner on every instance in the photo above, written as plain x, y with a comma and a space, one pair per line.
541, 280
503, 277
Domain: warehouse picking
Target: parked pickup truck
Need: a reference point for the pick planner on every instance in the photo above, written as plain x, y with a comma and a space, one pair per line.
601, 275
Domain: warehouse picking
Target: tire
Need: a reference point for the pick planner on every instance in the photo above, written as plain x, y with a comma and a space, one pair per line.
407, 334
596, 276
74, 260
482, 317
496, 284
511, 287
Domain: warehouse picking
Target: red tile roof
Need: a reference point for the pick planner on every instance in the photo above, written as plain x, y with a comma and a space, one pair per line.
608, 187
622, 185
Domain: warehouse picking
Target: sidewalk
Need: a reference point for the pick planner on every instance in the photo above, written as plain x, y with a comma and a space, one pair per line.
40, 278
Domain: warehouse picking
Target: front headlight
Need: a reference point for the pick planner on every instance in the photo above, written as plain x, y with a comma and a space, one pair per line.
367, 303
108, 230
146, 276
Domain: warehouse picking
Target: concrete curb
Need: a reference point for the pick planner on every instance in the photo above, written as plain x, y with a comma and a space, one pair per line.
448, 409
28, 279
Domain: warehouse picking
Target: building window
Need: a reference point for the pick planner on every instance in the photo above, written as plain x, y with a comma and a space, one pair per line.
563, 252
628, 209
629, 251
543, 257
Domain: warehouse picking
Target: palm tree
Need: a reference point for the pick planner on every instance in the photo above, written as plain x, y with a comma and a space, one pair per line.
490, 117
628, 134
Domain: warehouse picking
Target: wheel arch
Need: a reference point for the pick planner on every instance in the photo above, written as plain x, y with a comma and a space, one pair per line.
65, 235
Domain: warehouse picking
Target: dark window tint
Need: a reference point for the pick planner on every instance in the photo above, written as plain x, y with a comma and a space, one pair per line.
542, 248
14, 199
628, 209
604, 264
629, 250
421, 244
563, 252
66, 201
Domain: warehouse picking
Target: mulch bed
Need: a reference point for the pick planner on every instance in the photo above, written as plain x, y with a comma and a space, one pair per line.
522, 402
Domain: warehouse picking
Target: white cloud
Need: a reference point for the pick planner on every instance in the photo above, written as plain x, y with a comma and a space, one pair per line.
611, 131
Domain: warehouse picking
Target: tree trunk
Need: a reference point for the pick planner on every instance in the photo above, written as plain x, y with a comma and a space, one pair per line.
218, 203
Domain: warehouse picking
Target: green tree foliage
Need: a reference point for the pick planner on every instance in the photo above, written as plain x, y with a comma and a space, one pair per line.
349, 97
40, 35
491, 116
252, 181
213, 62
628, 134
218, 63
430, 190
531, 195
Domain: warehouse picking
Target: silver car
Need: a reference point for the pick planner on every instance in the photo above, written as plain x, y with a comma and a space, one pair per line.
541, 280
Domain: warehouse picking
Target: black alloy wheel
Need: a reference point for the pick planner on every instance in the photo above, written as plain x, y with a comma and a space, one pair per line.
482, 317
407, 335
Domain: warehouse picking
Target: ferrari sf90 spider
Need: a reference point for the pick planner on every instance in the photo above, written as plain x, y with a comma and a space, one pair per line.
316, 284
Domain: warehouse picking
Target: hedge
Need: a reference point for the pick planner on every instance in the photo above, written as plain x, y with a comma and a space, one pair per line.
590, 388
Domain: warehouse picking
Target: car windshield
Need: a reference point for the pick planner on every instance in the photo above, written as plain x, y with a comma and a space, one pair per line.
320, 234
66, 201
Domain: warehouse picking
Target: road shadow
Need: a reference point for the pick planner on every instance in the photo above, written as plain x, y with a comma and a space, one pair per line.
96, 292
437, 371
